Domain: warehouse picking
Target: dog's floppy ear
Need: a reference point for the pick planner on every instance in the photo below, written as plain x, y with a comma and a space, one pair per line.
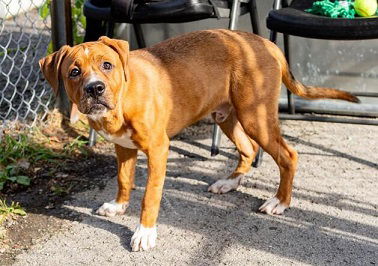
121, 47
50, 66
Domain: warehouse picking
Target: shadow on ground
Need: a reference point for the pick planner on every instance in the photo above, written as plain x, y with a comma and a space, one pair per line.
223, 221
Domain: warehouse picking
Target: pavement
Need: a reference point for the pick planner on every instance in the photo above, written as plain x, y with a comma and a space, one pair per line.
332, 220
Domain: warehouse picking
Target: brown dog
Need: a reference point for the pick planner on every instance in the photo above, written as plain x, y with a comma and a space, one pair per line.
140, 99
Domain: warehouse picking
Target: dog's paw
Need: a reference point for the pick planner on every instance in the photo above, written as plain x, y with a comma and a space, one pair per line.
225, 185
143, 238
112, 208
273, 206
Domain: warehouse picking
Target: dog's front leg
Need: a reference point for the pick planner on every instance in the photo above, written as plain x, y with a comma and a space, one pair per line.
145, 235
126, 160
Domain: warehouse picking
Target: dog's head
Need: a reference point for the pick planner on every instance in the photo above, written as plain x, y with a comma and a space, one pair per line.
93, 73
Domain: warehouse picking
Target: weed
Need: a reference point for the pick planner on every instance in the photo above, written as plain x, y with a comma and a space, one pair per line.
17, 153
9, 210
78, 144
14, 148
78, 18
12, 173
59, 190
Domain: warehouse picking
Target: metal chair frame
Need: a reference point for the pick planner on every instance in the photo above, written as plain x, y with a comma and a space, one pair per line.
292, 115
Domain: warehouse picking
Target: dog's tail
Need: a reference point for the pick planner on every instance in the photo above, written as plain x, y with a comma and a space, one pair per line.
310, 92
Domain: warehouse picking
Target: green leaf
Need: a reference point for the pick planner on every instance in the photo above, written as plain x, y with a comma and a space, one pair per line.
77, 4
10, 167
50, 49
12, 178
83, 21
13, 170
2, 185
19, 211
3, 174
76, 11
23, 180
44, 10
78, 39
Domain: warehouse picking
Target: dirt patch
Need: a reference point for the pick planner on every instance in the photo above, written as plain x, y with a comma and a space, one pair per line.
43, 203
54, 183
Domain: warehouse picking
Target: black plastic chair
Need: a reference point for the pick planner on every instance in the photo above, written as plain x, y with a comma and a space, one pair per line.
291, 19
102, 14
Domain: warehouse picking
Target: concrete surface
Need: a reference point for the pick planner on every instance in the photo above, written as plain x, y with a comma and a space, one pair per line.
333, 218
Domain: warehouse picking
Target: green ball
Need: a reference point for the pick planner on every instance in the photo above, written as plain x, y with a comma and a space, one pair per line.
365, 8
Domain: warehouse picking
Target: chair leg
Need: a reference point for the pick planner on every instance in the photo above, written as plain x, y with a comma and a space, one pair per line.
217, 134
139, 36
254, 17
92, 137
290, 98
94, 30
258, 159
110, 29
273, 34
234, 16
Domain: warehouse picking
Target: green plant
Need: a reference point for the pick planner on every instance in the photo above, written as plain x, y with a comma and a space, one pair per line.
78, 20
7, 210
59, 190
13, 148
17, 153
12, 173
78, 144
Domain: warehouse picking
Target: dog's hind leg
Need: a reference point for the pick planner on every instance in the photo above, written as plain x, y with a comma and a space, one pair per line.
247, 148
260, 122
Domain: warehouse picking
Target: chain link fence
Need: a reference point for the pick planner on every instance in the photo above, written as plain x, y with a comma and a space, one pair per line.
24, 39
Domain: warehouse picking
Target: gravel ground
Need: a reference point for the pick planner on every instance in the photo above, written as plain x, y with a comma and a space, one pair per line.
333, 218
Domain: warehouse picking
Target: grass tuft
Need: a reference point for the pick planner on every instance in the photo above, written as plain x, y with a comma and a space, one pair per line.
16, 155
10, 210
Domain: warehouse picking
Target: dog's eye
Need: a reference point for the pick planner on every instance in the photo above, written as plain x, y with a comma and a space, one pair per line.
75, 72
107, 66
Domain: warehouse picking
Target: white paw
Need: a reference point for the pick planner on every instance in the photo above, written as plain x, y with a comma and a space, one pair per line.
273, 206
112, 208
225, 185
143, 238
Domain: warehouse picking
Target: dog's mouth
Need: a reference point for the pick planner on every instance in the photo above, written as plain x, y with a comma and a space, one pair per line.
95, 107
98, 106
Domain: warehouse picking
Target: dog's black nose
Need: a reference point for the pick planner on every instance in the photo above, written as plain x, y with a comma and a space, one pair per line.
95, 88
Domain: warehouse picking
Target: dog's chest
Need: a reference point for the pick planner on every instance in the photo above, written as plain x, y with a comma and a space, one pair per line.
124, 140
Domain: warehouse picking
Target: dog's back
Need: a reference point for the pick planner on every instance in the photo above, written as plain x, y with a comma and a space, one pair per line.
236, 54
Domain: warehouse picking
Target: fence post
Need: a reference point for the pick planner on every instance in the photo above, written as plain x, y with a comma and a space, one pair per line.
61, 34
